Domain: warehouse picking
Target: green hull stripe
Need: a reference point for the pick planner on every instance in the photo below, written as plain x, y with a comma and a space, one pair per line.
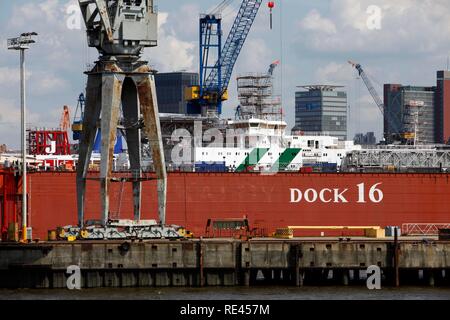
252, 159
285, 159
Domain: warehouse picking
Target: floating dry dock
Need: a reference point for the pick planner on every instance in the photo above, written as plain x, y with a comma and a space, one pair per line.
225, 262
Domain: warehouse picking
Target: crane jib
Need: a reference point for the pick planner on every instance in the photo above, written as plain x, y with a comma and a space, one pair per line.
376, 97
233, 45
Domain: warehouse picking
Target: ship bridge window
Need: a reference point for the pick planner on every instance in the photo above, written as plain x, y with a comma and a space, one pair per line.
254, 125
317, 144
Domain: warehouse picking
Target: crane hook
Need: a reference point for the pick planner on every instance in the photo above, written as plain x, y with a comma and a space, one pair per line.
271, 5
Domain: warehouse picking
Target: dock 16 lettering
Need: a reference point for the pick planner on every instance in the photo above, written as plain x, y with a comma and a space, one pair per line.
372, 194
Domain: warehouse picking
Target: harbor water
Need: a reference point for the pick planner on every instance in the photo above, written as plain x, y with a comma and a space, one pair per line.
261, 294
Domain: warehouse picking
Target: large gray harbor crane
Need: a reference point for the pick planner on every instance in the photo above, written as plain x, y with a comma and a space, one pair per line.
120, 30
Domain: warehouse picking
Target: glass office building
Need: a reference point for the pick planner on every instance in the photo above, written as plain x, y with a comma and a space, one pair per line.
170, 89
321, 109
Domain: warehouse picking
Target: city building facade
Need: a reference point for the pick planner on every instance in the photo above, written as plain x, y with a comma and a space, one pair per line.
442, 117
170, 88
410, 111
321, 109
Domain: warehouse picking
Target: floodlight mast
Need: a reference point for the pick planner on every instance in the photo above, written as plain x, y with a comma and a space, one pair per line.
21, 44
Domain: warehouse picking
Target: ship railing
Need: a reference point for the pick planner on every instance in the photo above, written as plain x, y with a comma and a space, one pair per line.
423, 229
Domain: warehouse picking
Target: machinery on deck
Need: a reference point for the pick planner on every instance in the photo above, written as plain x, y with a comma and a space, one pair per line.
217, 62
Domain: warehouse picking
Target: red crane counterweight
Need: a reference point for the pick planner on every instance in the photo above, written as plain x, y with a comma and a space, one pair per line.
271, 5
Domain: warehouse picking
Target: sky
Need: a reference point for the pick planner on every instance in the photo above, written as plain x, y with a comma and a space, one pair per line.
402, 41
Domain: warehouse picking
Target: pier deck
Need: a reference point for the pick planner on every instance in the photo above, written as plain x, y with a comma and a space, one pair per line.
225, 262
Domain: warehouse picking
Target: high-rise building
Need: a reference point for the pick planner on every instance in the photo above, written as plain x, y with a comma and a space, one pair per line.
321, 109
410, 111
367, 139
442, 117
170, 88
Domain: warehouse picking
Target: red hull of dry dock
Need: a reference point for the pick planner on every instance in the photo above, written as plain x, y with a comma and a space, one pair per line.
267, 201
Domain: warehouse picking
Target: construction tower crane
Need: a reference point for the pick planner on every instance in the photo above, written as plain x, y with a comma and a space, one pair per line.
272, 68
393, 130
217, 62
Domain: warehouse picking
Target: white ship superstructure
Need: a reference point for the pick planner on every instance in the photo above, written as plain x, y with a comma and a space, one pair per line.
262, 145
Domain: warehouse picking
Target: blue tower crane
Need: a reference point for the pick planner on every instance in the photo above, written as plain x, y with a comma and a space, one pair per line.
217, 62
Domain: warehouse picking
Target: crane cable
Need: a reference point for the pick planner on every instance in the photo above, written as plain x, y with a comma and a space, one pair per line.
282, 61
221, 7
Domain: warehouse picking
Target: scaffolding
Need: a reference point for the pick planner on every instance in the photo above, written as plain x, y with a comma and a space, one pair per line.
256, 98
413, 131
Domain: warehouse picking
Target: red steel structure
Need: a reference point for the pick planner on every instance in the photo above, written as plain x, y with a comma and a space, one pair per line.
423, 229
48, 142
268, 202
8, 201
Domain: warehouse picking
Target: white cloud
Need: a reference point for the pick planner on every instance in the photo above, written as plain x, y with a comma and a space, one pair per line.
315, 22
255, 57
9, 112
10, 76
334, 73
407, 27
10, 116
47, 83
171, 54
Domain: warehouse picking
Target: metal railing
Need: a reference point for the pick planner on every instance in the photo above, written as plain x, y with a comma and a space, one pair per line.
423, 229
